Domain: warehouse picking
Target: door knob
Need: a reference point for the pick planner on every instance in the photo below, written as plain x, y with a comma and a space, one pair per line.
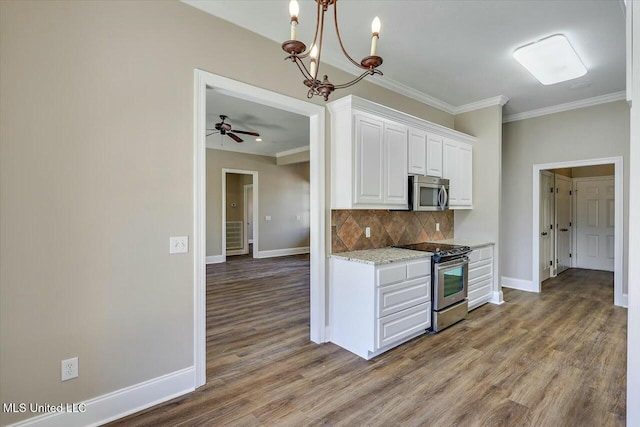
544, 233
564, 229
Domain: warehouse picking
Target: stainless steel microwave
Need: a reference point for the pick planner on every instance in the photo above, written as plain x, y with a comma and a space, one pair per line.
428, 193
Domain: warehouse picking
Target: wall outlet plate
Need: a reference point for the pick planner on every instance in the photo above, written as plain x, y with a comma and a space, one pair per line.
437, 226
69, 369
367, 232
179, 245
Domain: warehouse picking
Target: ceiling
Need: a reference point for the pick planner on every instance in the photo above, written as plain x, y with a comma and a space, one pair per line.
453, 53
280, 130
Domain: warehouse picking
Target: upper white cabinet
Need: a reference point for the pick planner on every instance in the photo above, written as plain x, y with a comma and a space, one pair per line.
417, 152
374, 149
457, 167
434, 155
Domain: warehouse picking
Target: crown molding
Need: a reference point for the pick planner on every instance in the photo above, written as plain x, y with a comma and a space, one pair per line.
484, 103
582, 103
293, 151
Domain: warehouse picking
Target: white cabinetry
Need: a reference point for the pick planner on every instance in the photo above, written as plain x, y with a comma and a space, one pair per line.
417, 152
457, 167
375, 148
480, 287
434, 155
375, 308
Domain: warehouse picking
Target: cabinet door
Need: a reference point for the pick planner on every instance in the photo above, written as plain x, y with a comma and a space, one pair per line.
417, 152
434, 155
395, 164
450, 169
465, 174
368, 173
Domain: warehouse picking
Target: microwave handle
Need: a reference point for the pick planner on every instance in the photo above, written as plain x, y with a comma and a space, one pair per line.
443, 197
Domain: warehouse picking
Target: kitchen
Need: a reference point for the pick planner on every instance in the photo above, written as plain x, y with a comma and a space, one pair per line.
145, 350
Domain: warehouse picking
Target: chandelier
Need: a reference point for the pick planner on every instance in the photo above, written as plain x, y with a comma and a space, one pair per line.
298, 51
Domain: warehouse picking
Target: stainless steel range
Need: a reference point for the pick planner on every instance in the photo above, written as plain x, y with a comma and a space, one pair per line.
449, 281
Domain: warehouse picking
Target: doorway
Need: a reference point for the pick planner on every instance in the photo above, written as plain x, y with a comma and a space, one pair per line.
235, 212
617, 207
317, 214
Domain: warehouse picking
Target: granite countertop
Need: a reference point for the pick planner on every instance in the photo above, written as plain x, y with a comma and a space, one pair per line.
381, 256
467, 242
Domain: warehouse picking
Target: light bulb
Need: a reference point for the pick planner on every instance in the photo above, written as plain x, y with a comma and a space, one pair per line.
314, 67
375, 25
294, 8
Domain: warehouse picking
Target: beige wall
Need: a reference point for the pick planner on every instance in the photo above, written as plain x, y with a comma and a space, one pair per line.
595, 170
96, 172
294, 158
568, 172
235, 195
283, 194
587, 133
483, 222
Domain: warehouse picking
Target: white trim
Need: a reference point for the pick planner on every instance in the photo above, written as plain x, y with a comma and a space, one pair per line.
120, 403
293, 151
588, 102
318, 264
519, 284
484, 103
283, 252
624, 300
214, 259
572, 220
619, 273
245, 215
256, 232
497, 297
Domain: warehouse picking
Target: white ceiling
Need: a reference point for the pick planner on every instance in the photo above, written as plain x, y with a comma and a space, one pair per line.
453, 53
280, 130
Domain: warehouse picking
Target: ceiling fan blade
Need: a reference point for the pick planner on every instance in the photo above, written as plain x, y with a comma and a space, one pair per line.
244, 132
236, 138
211, 133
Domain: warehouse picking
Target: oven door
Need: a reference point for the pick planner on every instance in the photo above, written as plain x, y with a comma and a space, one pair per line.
450, 281
430, 197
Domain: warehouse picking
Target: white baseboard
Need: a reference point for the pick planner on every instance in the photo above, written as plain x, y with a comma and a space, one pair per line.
235, 252
214, 259
519, 284
283, 252
497, 298
120, 403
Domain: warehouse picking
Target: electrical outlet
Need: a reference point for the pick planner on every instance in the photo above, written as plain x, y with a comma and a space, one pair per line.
69, 369
298, 217
437, 226
267, 218
367, 232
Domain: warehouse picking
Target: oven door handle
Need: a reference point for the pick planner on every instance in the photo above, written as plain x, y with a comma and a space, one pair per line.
453, 263
443, 197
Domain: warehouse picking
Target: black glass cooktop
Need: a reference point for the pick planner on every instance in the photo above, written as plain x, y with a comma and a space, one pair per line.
429, 247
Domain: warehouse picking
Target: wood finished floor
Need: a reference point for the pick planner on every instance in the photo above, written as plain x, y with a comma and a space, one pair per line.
552, 359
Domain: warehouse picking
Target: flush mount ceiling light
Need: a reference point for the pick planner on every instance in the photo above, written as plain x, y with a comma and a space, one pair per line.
298, 51
551, 60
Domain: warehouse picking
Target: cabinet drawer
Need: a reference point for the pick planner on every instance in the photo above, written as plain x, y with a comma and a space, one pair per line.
394, 298
392, 273
481, 269
481, 253
395, 327
419, 268
480, 294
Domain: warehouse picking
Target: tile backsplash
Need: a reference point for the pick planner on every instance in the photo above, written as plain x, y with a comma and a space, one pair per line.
387, 228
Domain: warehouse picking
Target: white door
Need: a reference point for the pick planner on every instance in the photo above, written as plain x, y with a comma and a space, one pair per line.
546, 225
595, 202
450, 169
563, 223
417, 152
395, 161
434, 155
369, 160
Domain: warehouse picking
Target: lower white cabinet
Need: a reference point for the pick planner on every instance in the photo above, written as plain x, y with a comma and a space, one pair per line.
377, 307
480, 276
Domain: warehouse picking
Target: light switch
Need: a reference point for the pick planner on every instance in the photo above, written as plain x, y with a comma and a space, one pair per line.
298, 217
267, 218
179, 244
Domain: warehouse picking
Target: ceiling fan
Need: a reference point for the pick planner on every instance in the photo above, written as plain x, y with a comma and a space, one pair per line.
225, 129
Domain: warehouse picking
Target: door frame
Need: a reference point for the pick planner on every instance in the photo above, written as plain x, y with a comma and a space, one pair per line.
245, 214
574, 212
254, 177
619, 298
571, 217
318, 214
552, 238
